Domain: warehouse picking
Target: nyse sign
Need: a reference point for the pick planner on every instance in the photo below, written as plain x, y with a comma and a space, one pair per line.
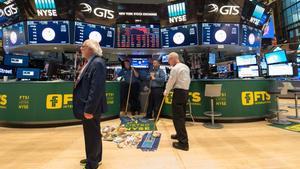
99, 12
224, 10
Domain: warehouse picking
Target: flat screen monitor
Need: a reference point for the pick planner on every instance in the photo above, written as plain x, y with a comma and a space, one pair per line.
212, 58
48, 32
165, 59
276, 57
6, 70
138, 36
283, 69
14, 35
103, 34
16, 60
248, 71
246, 60
251, 37
222, 69
220, 33
28, 73
178, 36
141, 63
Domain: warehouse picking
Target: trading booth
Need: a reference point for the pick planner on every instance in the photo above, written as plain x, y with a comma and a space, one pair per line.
220, 41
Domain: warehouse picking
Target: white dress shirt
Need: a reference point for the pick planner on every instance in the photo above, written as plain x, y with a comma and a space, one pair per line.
179, 78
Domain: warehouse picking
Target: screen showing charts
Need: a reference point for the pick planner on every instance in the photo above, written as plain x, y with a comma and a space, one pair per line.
246, 60
103, 34
284, 69
14, 35
138, 36
16, 60
177, 36
220, 33
48, 32
28, 73
140, 62
6, 70
251, 37
276, 57
248, 71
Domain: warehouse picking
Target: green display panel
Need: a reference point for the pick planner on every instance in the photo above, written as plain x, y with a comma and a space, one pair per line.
46, 102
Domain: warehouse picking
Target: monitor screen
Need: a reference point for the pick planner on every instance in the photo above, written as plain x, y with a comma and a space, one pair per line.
138, 36
48, 32
212, 59
177, 36
6, 70
222, 69
255, 13
165, 59
276, 57
251, 37
28, 73
140, 63
16, 60
103, 34
284, 69
248, 71
246, 60
14, 35
263, 64
220, 33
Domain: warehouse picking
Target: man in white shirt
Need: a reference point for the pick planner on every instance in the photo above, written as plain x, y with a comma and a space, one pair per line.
179, 81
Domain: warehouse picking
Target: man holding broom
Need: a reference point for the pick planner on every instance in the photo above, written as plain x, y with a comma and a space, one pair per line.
179, 81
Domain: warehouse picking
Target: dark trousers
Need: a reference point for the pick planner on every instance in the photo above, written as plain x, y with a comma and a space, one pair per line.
134, 101
93, 142
155, 99
180, 98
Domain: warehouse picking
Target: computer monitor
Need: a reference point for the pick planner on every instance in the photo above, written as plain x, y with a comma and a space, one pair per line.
141, 63
276, 57
283, 69
246, 60
248, 71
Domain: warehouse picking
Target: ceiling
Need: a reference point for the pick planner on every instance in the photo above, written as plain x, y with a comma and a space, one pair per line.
140, 1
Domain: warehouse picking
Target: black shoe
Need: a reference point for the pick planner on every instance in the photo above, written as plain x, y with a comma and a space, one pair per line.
85, 167
181, 146
174, 137
84, 161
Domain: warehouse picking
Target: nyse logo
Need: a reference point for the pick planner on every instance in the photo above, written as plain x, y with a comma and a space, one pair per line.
177, 13
99, 12
3, 101
224, 10
59, 101
9, 10
250, 98
45, 7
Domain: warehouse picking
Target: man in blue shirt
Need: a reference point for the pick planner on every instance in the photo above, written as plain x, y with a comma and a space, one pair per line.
134, 101
157, 81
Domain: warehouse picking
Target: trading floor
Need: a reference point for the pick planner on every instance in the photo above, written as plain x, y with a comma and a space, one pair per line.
238, 146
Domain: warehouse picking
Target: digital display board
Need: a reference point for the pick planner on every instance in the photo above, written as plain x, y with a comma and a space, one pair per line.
178, 36
285, 69
138, 36
48, 32
16, 60
220, 33
251, 37
103, 34
14, 35
28, 73
255, 13
248, 71
269, 30
276, 57
6, 70
246, 60
140, 63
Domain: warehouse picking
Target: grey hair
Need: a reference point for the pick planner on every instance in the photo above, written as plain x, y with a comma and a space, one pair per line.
95, 46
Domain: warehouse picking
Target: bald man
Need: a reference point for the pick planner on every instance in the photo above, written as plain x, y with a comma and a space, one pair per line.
179, 81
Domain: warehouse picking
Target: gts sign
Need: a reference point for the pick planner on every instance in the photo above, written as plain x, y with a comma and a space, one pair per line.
9, 10
99, 12
250, 98
224, 10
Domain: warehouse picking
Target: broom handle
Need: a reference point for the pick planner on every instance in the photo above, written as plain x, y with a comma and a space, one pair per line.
160, 108
129, 90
